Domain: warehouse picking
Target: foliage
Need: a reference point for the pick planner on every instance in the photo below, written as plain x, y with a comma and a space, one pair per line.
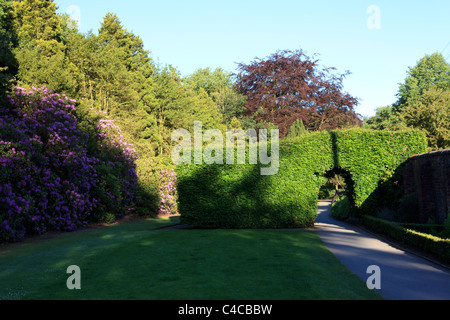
374, 160
180, 106
289, 85
386, 119
8, 63
342, 209
297, 130
431, 114
37, 23
430, 71
49, 180
423, 103
237, 196
210, 81
218, 84
438, 247
40, 52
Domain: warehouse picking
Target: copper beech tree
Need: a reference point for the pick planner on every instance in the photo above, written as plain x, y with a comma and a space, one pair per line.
289, 85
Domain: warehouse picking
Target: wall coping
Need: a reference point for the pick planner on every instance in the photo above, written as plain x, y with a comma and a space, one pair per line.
438, 153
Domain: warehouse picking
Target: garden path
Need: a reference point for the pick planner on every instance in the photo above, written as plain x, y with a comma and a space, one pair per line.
403, 275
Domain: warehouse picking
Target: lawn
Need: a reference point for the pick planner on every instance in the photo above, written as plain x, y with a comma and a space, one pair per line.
138, 261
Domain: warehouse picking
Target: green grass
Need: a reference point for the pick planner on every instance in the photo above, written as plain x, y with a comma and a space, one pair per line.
135, 261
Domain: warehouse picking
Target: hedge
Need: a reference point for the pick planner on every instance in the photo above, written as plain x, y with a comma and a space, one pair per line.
375, 161
437, 247
237, 196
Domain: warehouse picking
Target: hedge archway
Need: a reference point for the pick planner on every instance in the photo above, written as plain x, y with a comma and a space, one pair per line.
238, 196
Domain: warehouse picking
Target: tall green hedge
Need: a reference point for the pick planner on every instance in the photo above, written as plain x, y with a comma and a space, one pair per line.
238, 196
375, 161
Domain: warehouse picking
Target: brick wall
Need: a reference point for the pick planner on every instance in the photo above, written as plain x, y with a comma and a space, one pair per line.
428, 176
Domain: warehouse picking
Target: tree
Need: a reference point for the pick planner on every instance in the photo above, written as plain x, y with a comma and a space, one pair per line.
8, 63
115, 73
218, 84
230, 104
38, 24
179, 106
289, 85
386, 119
422, 102
431, 113
297, 130
210, 81
431, 70
40, 52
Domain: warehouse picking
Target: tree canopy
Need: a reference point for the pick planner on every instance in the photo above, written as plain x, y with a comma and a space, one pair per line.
8, 63
289, 85
423, 102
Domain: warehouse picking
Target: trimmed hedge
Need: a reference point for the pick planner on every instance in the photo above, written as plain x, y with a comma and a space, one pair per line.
237, 196
437, 247
375, 160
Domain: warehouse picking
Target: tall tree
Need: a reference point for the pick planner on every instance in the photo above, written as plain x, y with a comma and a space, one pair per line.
218, 84
431, 113
430, 71
179, 106
297, 130
38, 24
125, 80
422, 102
40, 52
386, 119
208, 80
8, 63
289, 85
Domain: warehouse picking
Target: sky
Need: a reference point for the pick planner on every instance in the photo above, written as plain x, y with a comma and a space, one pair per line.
376, 40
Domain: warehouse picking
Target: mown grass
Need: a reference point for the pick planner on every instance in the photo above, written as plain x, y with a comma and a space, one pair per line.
138, 261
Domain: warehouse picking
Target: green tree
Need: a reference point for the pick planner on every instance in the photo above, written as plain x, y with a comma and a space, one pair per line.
180, 105
431, 113
193, 107
218, 84
386, 119
38, 25
297, 130
422, 102
431, 70
230, 104
40, 52
169, 92
210, 81
115, 73
8, 63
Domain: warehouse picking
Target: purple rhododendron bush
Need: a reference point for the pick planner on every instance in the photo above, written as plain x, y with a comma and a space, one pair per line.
55, 176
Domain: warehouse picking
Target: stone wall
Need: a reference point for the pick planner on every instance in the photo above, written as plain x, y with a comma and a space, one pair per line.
428, 176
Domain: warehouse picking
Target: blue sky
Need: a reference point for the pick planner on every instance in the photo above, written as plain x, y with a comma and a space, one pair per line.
376, 40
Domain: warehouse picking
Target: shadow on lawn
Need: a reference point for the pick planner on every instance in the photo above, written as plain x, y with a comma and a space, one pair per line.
208, 264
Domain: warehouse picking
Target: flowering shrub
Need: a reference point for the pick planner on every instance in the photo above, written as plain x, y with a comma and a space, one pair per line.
48, 179
167, 193
118, 169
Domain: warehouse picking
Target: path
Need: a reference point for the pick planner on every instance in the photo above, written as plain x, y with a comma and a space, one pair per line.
404, 276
